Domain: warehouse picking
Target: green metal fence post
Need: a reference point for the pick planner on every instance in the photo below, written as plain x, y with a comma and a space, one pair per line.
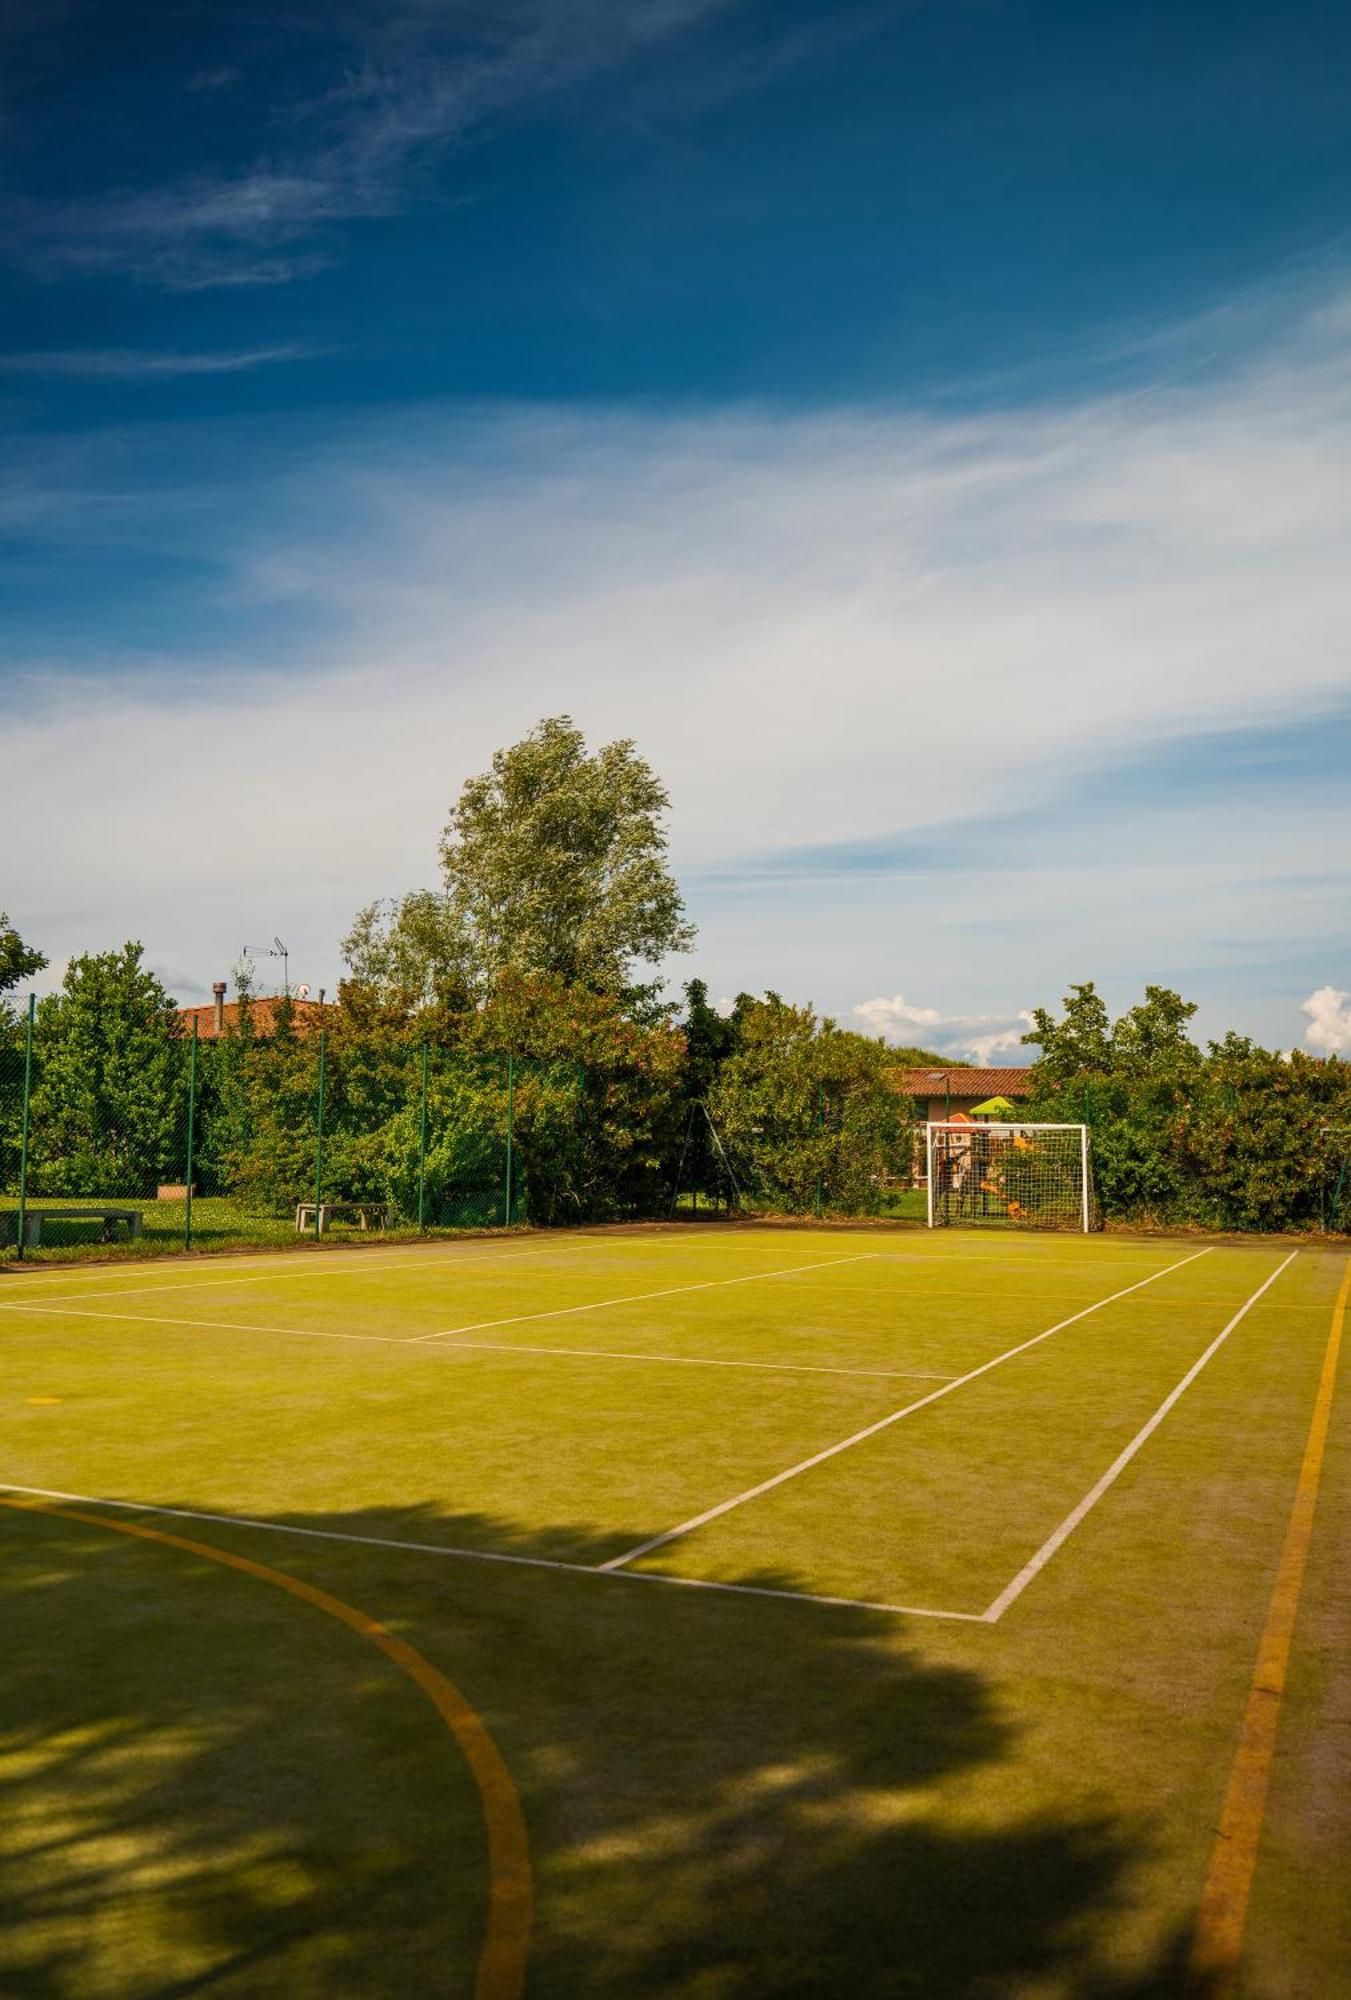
511, 1124
192, 1124
422, 1148
23, 1141
319, 1138
820, 1130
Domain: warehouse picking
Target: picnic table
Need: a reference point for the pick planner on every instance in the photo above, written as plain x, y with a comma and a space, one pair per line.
109, 1220
359, 1212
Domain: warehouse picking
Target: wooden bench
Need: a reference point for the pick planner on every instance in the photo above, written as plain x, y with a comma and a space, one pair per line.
359, 1212
109, 1220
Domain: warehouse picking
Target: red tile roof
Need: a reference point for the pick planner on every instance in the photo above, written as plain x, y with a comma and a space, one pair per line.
263, 1008
965, 1084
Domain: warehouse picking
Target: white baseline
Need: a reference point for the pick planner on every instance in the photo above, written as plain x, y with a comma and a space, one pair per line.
453, 1554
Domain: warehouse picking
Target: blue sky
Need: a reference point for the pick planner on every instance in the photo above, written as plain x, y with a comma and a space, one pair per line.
924, 427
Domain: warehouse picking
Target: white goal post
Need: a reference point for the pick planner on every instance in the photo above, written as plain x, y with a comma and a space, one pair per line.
1017, 1176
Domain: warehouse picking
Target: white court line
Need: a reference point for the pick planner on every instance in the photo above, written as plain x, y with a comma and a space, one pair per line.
496, 1556
484, 1346
293, 1270
1109, 1478
693, 1360
300, 1263
883, 1423
215, 1325
636, 1298
341, 1266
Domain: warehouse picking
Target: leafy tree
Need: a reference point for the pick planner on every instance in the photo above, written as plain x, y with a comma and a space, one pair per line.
555, 862
597, 1097
807, 1111
1079, 1044
1151, 1039
109, 1094
18, 961
1251, 1140
1226, 1138
465, 1159
710, 1037
406, 957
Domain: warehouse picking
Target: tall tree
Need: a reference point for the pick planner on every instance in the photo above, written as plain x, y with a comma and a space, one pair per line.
108, 1099
554, 863
710, 1037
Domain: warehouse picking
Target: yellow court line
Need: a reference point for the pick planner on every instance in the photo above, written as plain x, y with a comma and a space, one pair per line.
1212, 1969
506, 1944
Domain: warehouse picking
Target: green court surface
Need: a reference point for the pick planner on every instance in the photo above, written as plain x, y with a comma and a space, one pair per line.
830, 1612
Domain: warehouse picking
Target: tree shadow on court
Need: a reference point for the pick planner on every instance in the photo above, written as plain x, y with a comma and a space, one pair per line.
209, 1788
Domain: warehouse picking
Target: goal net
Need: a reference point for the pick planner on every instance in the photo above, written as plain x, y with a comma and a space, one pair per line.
1016, 1176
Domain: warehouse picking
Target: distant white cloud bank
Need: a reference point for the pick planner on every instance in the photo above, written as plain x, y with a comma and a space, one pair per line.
985, 1038
1329, 1029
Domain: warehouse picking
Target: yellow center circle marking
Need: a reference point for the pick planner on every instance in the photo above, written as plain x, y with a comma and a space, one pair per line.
506, 1944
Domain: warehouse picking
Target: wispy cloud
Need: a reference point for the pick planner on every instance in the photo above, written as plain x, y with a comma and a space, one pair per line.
206, 82
421, 82
126, 364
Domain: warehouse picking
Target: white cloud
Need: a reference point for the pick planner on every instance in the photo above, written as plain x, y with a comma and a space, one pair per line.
1329, 1029
983, 1048
982, 1037
895, 1017
823, 629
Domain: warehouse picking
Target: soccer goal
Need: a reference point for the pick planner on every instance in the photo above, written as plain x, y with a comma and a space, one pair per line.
1019, 1176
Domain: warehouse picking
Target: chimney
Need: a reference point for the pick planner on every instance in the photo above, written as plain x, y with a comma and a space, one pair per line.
218, 1007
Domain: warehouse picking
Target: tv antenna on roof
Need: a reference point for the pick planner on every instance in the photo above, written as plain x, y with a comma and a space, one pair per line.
274, 950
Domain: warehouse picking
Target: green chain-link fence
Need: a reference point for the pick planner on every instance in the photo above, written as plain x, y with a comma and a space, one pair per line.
248, 1140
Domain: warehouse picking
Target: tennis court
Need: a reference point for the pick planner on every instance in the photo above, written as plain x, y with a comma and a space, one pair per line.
852, 1611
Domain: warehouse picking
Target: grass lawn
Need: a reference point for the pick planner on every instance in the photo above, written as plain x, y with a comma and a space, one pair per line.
750, 1577
219, 1222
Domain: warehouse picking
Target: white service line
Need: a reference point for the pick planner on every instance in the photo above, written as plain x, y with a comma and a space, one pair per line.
1109, 1478
883, 1423
636, 1298
494, 1556
486, 1346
